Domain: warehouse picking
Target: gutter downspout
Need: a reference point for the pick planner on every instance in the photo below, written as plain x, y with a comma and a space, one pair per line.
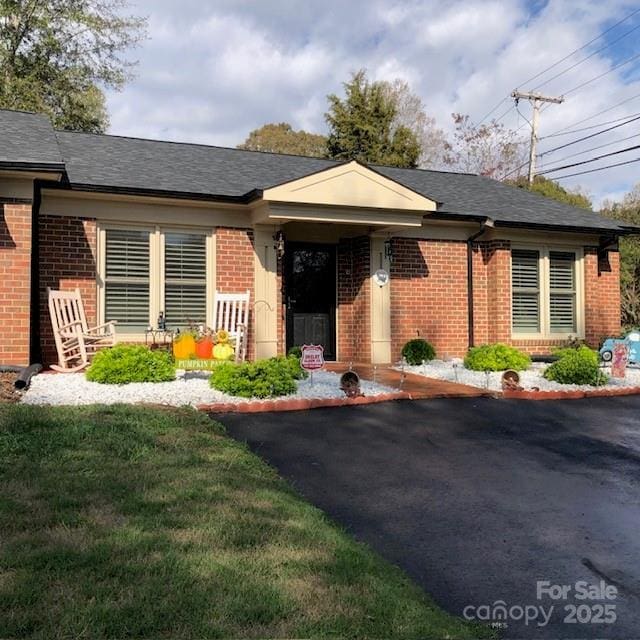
484, 225
35, 348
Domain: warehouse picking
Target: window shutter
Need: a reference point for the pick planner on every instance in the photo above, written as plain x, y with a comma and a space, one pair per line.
185, 269
127, 279
562, 292
525, 291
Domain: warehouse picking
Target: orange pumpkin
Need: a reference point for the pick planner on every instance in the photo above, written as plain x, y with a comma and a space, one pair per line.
184, 347
204, 347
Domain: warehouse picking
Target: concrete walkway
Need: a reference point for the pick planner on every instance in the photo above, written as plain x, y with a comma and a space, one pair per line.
418, 387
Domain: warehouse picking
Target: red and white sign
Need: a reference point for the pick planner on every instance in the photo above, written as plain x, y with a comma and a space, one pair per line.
620, 360
312, 357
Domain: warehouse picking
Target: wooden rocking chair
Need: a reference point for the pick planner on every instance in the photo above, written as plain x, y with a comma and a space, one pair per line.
76, 342
231, 313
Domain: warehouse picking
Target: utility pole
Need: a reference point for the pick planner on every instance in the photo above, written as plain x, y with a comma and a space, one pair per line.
535, 99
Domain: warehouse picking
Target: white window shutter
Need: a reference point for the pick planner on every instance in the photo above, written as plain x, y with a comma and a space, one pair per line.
127, 279
185, 277
525, 291
562, 292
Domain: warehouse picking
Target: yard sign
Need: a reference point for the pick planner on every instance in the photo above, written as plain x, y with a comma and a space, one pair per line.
312, 357
619, 360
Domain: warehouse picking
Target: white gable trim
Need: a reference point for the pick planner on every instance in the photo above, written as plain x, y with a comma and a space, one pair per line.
350, 185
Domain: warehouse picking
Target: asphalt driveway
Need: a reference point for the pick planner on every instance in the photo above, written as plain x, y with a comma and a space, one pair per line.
479, 499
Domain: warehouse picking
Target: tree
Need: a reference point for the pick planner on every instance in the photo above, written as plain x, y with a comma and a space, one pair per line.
488, 149
362, 126
551, 189
411, 113
56, 54
281, 138
628, 211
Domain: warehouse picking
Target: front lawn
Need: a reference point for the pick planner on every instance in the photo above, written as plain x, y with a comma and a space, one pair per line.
137, 522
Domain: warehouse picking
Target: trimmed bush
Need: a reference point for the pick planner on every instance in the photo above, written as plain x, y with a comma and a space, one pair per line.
496, 357
295, 352
417, 351
576, 366
294, 365
127, 363
261, 379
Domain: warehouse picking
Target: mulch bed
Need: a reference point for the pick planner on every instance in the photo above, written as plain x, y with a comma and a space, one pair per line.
8, 392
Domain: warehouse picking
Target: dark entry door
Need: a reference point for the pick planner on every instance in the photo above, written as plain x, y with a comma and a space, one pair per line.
310, 295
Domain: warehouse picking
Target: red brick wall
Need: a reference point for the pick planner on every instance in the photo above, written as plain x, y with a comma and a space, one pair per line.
15, 282
429, 294
354, 300
67, 261
491, 292
235, 268
602, 295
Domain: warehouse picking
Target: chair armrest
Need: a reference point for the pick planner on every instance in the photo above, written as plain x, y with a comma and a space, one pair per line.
110, 324
74, 323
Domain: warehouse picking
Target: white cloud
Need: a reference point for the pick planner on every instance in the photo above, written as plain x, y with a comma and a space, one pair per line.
213, 71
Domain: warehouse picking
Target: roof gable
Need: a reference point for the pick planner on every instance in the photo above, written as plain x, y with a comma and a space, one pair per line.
350, 185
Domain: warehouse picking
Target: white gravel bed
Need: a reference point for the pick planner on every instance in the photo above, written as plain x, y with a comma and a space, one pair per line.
454, 371
189, 388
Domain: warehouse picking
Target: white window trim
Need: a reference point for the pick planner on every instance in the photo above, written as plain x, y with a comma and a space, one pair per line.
156, 269
545, 331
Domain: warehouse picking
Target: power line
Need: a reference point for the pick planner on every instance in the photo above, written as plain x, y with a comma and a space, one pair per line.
596, 52
621, 64
555, 64
593, 135
609, 166
600, 146
584, 46
592, 126
492, 110
595, 115
578, 164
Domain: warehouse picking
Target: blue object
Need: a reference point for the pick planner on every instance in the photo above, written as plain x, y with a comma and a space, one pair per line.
632, 342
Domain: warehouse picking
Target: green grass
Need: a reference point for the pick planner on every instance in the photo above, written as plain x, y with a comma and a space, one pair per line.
148, 523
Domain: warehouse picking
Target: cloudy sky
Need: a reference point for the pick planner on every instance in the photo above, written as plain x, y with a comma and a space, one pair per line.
211, 71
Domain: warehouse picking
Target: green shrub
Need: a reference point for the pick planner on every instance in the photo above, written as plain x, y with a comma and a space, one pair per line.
127, 363
293, 363
261, 379
417, 351
295, 352
496, 357
576, 366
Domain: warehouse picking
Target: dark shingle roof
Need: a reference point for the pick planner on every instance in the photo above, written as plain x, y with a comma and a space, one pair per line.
112, 162
27, 139
464, 193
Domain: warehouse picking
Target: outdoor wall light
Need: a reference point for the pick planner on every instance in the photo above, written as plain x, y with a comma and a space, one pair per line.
388, 250
278, 238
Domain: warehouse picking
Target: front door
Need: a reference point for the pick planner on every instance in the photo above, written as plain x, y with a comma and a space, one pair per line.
310, 295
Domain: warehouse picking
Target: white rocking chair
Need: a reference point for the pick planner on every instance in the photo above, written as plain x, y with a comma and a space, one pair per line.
76, 342
231, 313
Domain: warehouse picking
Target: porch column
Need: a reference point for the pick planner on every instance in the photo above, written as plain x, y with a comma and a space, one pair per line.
380, 306
265, 306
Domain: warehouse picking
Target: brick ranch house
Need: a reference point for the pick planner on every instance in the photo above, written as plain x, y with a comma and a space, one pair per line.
144, 226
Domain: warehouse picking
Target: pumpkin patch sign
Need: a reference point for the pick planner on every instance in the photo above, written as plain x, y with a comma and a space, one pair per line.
203, 351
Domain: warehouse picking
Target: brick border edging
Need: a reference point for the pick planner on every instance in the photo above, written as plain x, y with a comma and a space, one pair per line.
297, 404
570, 395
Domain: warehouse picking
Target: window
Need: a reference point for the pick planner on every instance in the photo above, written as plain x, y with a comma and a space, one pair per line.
525, 288
562, 292
148, 271
185, 279
127, 279
545, 293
